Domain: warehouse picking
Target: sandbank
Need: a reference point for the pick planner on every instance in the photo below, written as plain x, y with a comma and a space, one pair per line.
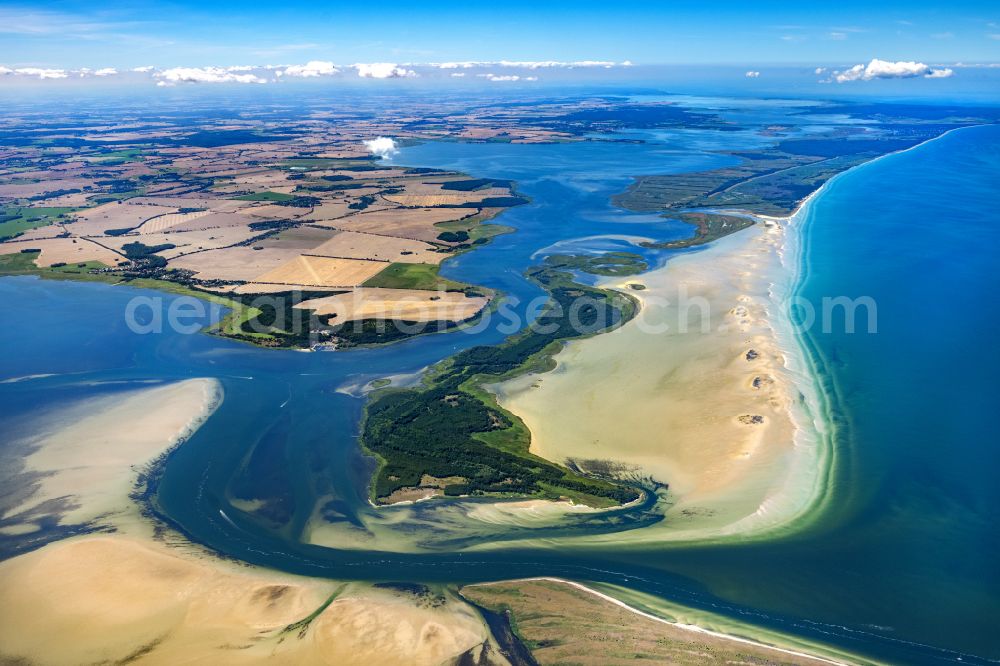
702, 391
148, 596
81, 465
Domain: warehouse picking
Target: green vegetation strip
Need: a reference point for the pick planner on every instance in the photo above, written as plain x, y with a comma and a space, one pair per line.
708, 227
413, 276
302, 626
608, 263
453, 427
16, 220
265, 196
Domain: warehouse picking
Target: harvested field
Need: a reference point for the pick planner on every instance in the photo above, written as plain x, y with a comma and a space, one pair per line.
72, 251
417, 223
386, 248
310, 271
304, 238
217, 205
169, 220
450, 199
255, 288
25, 190
274, 212
212, 221
95, 221
263, 180
234, 263
185, 241
366, 175
48, 231
328, 210
397, 304
74, 200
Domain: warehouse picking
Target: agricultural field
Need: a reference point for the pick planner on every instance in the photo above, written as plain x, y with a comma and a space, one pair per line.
246, 210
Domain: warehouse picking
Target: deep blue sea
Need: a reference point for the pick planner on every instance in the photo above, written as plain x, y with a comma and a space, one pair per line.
902, 567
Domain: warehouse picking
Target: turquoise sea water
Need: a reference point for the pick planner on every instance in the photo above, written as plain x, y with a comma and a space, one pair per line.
902, 566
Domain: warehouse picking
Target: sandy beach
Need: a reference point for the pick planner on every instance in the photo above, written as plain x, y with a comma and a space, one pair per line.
701, 391
127, 595
608, 630
117, 598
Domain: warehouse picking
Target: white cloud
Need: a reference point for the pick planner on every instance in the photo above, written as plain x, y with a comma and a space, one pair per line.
977, 65
172, 76
852, 74
311, 69
382, 70
531, 64
752, 75
41, 73
884, 69
546, 64
175, 75
383, 146
820, 70
506, 77
994, 36
4, 71
839, 36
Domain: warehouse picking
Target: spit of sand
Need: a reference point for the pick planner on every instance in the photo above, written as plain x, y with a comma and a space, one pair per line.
699, 392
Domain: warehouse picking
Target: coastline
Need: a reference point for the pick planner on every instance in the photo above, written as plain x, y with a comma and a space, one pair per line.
693, 629
810, 461
708, 411
818, 426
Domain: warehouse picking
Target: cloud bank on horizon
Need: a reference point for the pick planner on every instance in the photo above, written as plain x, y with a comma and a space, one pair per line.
171, 76
510, 71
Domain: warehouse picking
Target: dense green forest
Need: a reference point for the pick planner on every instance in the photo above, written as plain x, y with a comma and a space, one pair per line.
451, 427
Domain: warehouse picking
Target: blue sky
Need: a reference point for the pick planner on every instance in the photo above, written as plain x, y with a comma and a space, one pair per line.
196, 34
